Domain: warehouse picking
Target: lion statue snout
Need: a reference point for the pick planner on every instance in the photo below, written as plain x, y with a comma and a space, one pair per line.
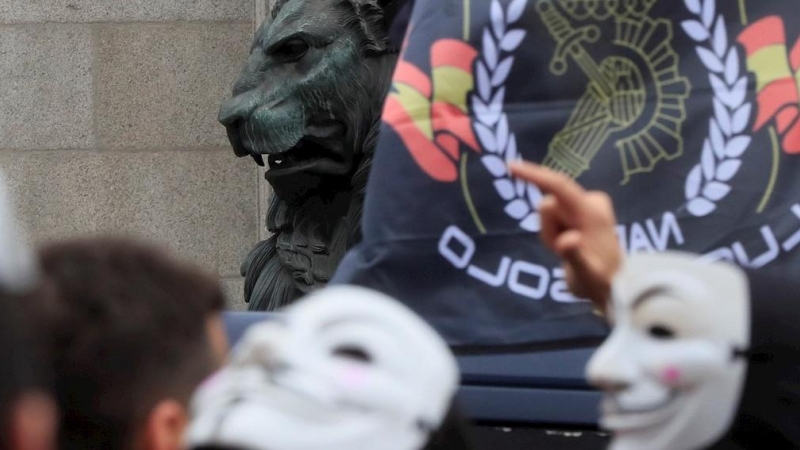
257, 127
303, 149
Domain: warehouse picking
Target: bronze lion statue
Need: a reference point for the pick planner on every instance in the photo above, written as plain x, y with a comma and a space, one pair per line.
309, 101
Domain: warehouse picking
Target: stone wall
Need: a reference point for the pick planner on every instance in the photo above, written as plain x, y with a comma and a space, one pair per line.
108, 124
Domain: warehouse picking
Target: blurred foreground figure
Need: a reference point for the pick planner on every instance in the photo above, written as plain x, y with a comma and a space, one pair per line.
130, 333
18, 270
702, 355
347, 368
27, 413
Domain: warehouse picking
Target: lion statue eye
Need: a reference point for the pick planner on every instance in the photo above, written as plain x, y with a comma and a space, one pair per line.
291, 50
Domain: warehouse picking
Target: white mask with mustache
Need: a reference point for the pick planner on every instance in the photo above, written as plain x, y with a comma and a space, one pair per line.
290, 385
670, 369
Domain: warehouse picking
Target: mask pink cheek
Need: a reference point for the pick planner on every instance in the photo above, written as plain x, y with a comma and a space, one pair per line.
671, 375
353, 378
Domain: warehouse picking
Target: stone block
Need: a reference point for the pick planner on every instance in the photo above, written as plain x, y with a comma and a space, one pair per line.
234, 294
201, 204
17, 11
46, 87
160, 86
55, 192
262, 9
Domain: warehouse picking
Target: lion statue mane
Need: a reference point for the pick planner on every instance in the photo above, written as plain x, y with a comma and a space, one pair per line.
309, 101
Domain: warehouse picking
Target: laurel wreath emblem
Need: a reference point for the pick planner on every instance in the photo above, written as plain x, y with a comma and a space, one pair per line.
720, 159
491, 126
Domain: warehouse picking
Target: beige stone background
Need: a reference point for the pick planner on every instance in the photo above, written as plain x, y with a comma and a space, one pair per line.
108, 124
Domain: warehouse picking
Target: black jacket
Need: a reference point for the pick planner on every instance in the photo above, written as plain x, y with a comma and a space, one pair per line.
769, 412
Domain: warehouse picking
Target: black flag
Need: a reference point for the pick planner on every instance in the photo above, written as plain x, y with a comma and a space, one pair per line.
684, 111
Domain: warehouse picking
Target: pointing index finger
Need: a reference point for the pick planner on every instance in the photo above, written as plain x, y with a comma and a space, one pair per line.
569, 193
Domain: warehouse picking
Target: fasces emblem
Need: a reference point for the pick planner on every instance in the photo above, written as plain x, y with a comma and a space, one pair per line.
635, 97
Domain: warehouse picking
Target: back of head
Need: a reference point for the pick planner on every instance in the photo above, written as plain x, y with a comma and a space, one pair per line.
347, 368
22, 371
126, 329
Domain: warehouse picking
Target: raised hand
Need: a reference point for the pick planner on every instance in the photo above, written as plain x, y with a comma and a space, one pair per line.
579, 226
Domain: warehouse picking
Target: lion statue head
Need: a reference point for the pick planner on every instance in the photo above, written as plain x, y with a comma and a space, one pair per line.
308, 102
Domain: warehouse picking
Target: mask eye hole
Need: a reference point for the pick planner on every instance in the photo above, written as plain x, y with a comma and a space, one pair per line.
354, 353
291, 50
661, 332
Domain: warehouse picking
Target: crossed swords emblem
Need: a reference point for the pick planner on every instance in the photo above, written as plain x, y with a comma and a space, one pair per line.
636, 98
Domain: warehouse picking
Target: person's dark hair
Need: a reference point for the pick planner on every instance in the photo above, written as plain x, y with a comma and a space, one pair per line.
126, 329
22, 369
